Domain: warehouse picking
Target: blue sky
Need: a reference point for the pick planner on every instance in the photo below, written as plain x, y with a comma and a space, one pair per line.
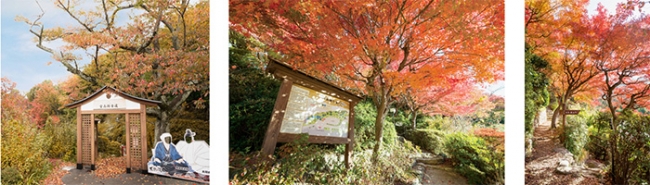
22, 61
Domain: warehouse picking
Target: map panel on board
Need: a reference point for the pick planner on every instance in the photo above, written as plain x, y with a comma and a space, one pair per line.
315, 113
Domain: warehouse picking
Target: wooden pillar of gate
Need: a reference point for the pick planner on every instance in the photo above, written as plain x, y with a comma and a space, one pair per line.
127, 129
92, 136
143, 137
79, 162
137, 157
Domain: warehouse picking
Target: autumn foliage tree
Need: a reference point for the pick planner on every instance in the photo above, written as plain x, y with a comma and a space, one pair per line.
447, 95
46, 101
161, 53
372, 47
14, 102
603, 56
551, 28
23, 154
623, 59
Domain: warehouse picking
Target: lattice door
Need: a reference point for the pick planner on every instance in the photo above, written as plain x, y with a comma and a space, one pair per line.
136, 143
86, 133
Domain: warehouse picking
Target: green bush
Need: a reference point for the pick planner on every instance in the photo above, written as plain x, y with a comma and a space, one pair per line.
403, 122
599, 132
200, 127
63, 139
11, 176
23, 150
252, 95
632, 148
428, 139
364, 127
576, 136
299, 162
437, 122
475, 159
536, 91
108, 147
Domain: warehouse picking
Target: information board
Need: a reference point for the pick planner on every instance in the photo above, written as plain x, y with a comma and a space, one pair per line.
315, 113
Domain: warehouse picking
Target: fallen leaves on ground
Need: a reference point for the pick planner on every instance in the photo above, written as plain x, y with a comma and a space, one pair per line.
110, 167
57, 172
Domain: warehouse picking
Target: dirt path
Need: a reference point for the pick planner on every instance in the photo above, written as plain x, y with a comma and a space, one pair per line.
435, 171
441, 174
546, 155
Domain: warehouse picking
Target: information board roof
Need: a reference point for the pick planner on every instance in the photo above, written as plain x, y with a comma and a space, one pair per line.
281, 70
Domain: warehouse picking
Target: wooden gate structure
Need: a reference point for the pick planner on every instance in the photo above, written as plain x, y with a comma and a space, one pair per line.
108, 100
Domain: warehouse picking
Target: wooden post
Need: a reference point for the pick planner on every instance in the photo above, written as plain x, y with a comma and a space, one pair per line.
79, 162
273, 130
350, 146
128, 144
143, 136
92, 141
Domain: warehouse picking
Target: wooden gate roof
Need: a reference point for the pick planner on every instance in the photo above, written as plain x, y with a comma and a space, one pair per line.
113, 90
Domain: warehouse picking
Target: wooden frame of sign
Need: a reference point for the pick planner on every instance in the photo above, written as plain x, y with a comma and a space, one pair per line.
108, 100
295, 79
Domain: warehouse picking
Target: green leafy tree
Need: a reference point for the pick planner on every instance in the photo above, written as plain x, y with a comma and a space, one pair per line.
252, 96
537, 95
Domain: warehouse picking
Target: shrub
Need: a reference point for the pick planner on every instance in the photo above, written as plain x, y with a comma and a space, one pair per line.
63, 139
200, 127
11, 176
23, 150
299, 162
576, 134
364, 127
599, 132
252, 95
438, 122
632, 148
475, 159
428, 139
403, 122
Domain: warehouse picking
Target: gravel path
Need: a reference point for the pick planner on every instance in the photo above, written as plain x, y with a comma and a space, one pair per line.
547, 153
435, 171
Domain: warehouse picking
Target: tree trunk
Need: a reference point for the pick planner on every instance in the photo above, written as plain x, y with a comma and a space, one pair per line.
617, 177
161, 126
164, 113
564, 116
414, 117
379, 127
554, 118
